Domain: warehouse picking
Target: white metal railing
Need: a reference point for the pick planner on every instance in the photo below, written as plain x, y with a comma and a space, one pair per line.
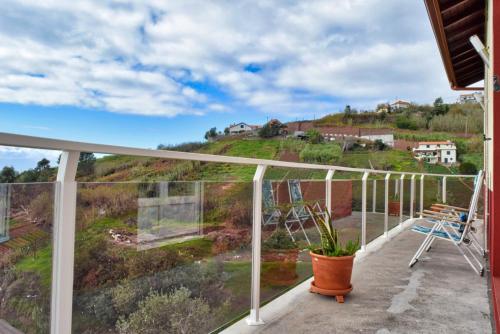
65, 208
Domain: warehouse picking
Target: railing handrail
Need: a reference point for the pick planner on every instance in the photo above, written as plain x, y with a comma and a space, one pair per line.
16, 140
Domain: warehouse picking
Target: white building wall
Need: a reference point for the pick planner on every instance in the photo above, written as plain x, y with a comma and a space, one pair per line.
448, 156
238, 128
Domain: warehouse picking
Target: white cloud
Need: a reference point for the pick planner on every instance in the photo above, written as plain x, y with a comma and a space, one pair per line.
178, 57
26, 157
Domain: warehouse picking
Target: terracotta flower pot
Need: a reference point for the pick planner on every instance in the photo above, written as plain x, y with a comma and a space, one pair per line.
332, 275
279, 267
394, 207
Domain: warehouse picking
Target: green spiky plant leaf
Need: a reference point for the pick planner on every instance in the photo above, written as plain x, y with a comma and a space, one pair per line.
330, 241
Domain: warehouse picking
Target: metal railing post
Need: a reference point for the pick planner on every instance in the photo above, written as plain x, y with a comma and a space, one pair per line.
396, 187
444, 189
363, 210
386, 205
374, 199
421, 194
412, 195
254, 318
401, 189
64, 244
328, 190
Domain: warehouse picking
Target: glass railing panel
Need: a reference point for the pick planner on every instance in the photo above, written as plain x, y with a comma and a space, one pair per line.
162, 256
26, 225
375, 209
394, 202
407, 198
348, 220
432, 191
288, 229
459, 191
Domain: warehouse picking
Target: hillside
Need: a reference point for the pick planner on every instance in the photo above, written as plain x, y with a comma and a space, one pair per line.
459, 123
123, 168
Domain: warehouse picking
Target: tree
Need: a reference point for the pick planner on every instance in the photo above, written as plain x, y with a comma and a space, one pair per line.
404, 122
86, 164
380, 145
440, 108
467, 168
271, 129
226, 131
314, 136
42, 165
8, 175
212, 133
347, 114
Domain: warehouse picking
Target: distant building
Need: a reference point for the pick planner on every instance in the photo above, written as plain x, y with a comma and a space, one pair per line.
347, 132
382, 108
239, 128
400, 104
467, 98
384, 135
434, 152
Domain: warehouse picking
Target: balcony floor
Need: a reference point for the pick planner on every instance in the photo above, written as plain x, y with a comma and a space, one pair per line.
441, 294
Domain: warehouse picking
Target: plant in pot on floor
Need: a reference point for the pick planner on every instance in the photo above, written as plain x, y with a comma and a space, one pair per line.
394, 205
279, 259
332, 261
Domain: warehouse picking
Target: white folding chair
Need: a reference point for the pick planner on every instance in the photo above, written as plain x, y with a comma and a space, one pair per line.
271, 213
458, 213
443, 229
300, 213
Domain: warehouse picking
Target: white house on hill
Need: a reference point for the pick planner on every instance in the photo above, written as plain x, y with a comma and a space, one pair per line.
241, 128
467, 98
434, 152
400, 104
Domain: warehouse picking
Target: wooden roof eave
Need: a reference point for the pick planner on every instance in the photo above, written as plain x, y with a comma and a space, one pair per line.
435, 16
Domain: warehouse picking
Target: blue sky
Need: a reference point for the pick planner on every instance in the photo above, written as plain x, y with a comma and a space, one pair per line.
140, 73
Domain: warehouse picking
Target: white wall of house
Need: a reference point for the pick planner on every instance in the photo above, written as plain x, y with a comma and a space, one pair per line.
445, 153
448, 156
400, 105
239, 128
467, 98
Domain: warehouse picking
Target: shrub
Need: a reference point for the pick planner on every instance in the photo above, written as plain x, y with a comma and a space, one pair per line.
467, 168
176, 312
40, 210
127, 295
279, 240
324, 153
314, 136
271, 129
471, 122
380, 145
151, 261
183, 147
404, 122
292, 145
106, 200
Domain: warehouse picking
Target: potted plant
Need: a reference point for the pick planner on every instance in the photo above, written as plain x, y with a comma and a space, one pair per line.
332, 261
279, 259
394, 205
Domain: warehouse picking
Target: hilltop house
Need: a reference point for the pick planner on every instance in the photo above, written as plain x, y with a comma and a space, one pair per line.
239, 128
467, 98
435, 152
400, 104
